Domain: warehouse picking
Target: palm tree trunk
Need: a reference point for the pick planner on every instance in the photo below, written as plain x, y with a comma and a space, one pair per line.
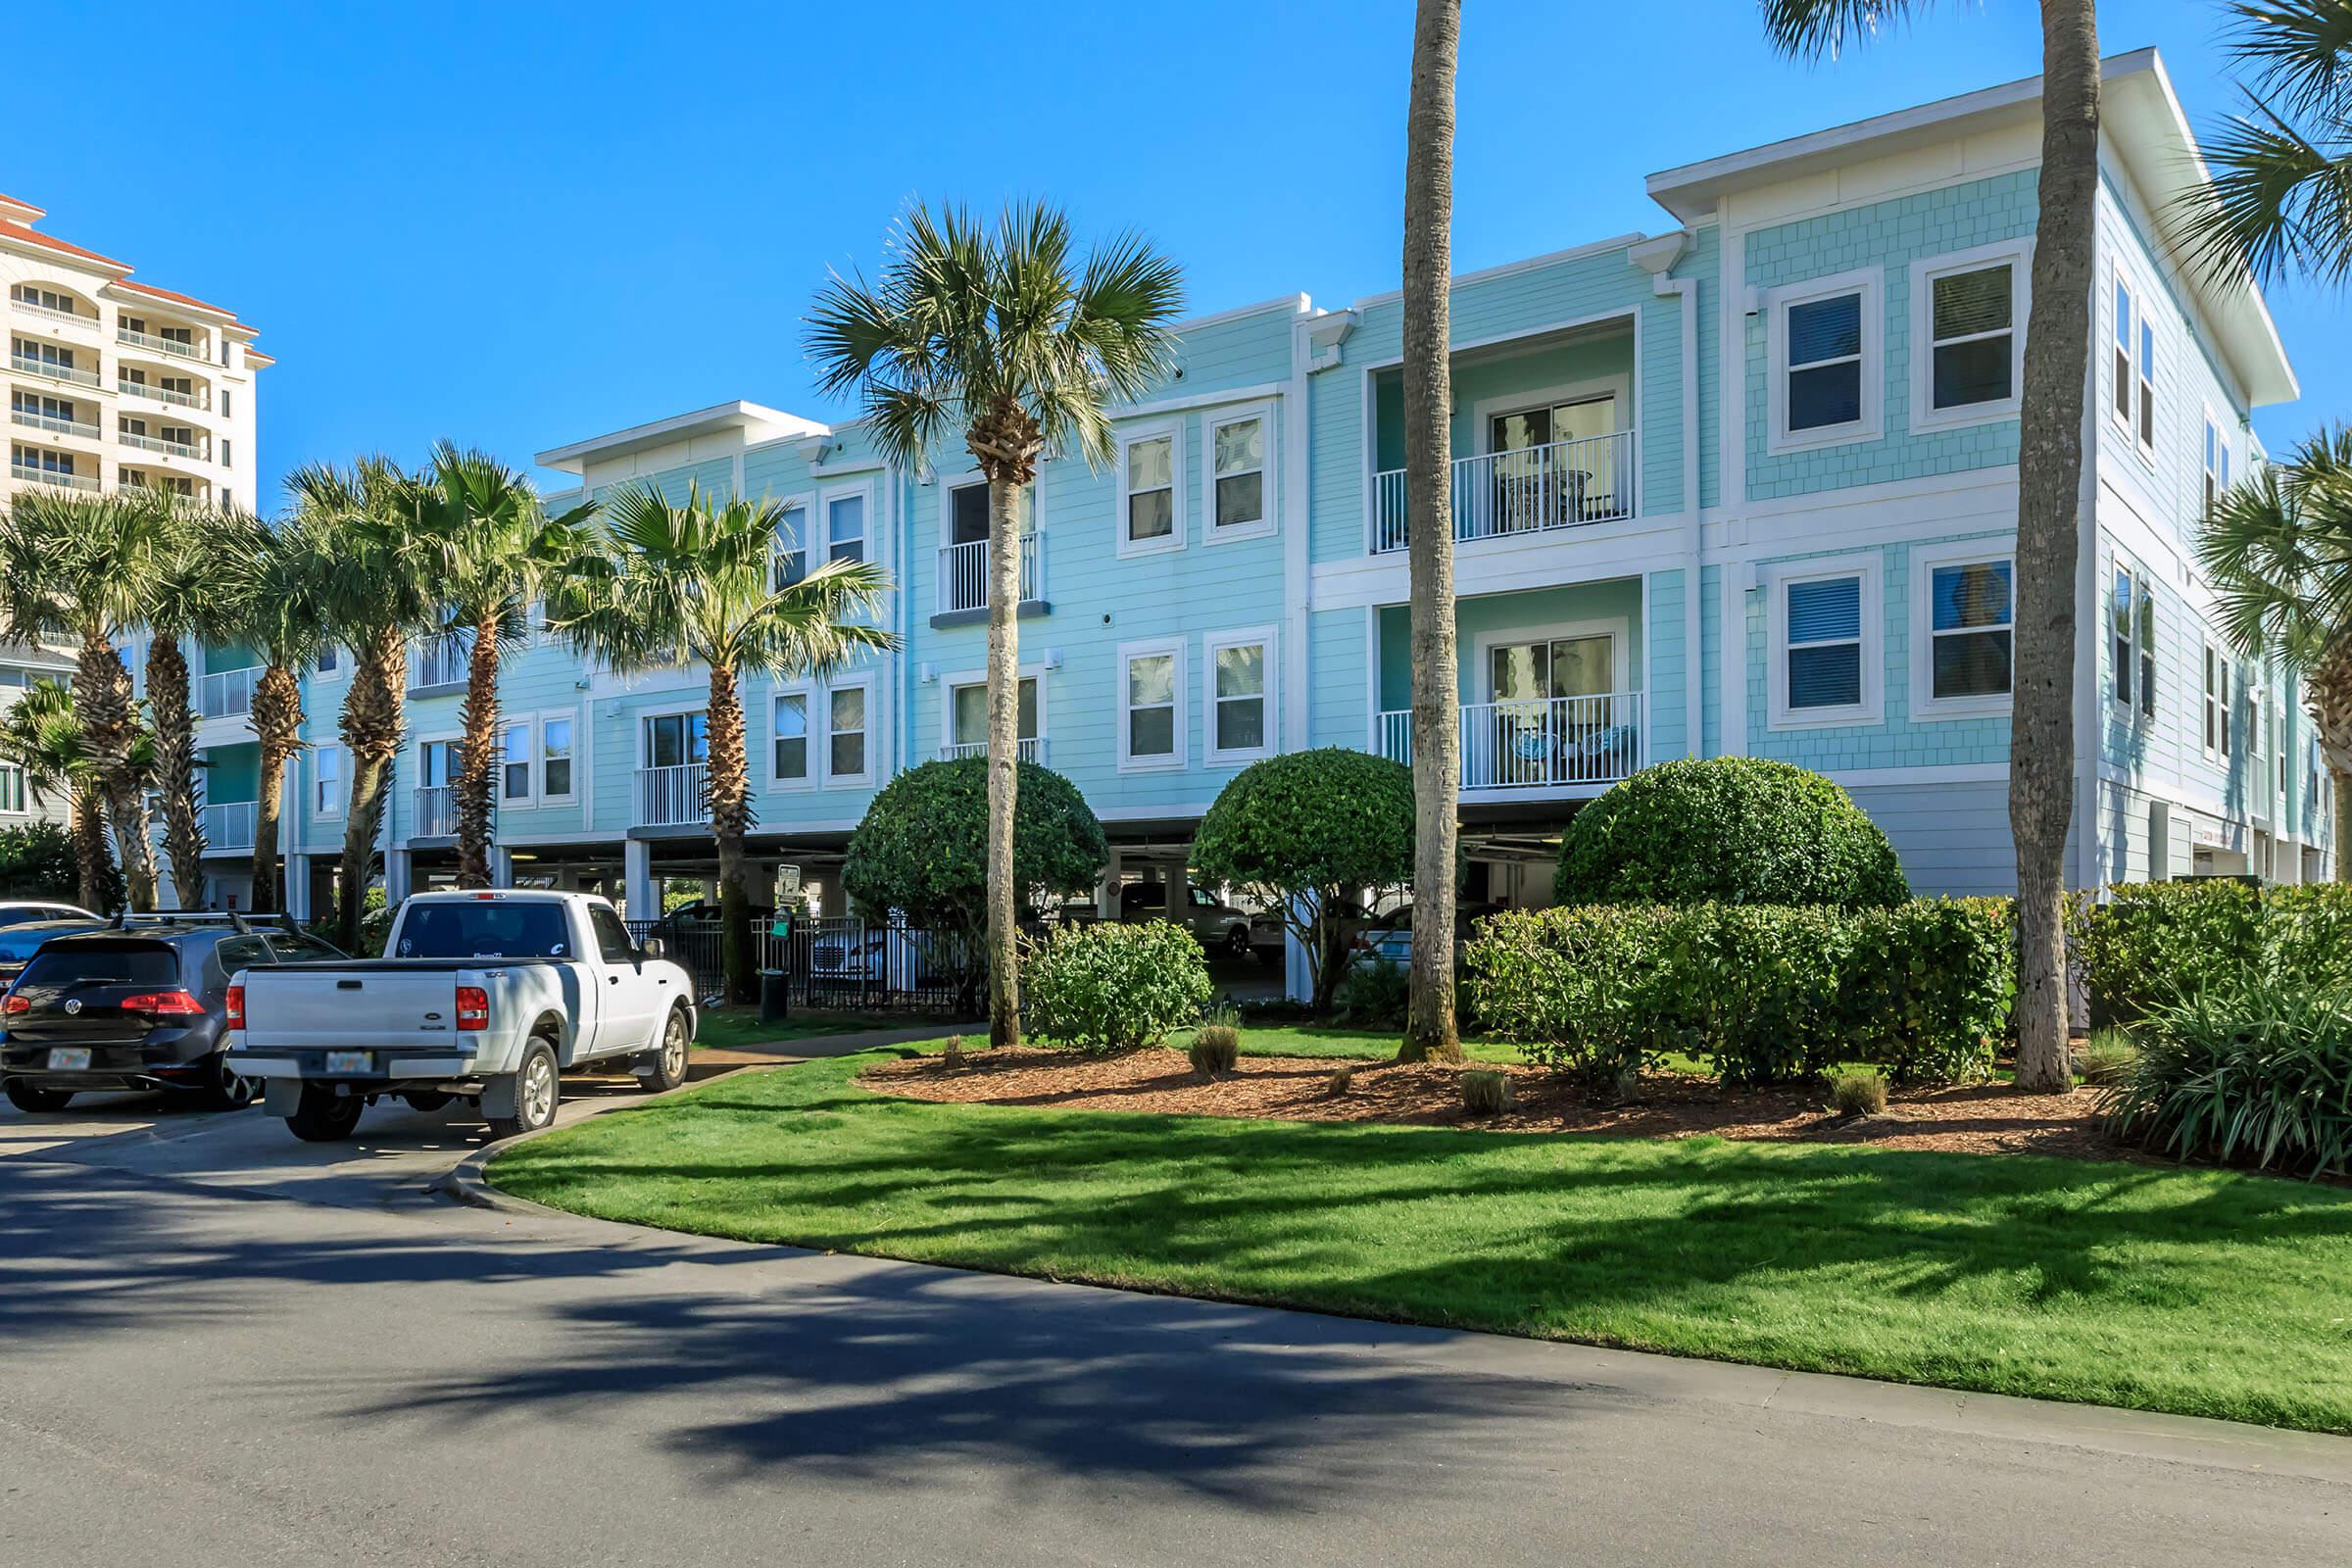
276, 720
88, 823
109, 724
2049, 488
477, 758
727, 771
1003, 753
174, 725
373, 715
1429, 1030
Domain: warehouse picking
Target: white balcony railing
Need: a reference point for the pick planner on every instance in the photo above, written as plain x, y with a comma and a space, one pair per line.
152, 443
160, 345
35, 420
34, 365
442, 662
226, 693
1537, 742
1564, 485
964, 573
1029, 748
672, 797
229, 826
49, 312
435, 812
200, 400
34, 473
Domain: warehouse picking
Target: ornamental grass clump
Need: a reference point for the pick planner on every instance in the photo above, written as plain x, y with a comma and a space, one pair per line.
1340, 1082
1110, 987
1485, 1093
1858, 1091
2106, 1057
2260, 1074
1216, 1047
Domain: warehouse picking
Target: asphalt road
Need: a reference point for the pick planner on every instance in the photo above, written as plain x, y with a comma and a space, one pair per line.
221, 1347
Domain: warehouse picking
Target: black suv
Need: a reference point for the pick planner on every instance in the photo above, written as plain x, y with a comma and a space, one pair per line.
139, 1005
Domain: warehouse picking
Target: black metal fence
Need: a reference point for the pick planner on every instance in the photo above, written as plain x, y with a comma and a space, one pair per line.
841, 963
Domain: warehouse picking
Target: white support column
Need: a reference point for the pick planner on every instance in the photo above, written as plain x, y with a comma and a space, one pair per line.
1298, 974
502, 867
297, 873
398, 876
637, 878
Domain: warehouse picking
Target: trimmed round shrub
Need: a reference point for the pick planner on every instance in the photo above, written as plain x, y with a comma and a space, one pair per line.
1728, 830
1113, 987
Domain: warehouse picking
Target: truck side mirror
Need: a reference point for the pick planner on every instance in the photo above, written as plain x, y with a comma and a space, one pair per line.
653, 948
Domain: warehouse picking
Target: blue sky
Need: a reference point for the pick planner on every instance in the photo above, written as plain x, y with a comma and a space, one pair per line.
520, 225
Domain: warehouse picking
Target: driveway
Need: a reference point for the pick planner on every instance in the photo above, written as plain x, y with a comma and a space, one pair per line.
221, 1346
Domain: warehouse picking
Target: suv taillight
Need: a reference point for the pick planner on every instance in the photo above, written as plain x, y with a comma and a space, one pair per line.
236, 1006
473, 1008
164, 1003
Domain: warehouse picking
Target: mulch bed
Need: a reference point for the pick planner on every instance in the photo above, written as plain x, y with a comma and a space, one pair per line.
1972, 1119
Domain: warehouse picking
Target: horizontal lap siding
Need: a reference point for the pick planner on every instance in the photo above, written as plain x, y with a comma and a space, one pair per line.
1952, 838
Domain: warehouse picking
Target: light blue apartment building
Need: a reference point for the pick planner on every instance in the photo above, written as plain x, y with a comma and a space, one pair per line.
1745, 486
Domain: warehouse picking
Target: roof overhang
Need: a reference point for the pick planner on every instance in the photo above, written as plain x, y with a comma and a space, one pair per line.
751, 420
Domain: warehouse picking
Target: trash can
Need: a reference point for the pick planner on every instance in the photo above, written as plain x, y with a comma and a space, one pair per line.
775, 995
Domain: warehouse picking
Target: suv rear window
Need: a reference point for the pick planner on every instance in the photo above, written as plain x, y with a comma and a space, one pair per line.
487, 928
119, 963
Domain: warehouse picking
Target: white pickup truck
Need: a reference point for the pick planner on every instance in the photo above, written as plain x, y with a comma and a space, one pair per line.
482, 997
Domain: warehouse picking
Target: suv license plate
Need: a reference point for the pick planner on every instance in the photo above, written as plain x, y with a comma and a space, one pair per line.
340, 1061
69, 1058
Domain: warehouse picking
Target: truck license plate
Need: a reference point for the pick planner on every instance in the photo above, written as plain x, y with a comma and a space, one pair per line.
69, 1058
340, 1061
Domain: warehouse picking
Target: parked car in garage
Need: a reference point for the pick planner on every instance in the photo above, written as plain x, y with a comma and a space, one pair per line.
18, 943
140, 1002
1390, 935
1218, 924
20, 912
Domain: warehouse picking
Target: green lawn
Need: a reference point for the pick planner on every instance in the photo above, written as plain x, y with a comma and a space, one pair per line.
741, 1026
2203, 1293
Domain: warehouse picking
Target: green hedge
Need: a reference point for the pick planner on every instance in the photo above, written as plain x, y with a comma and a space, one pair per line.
2153, 944
1765, 994
1113, 987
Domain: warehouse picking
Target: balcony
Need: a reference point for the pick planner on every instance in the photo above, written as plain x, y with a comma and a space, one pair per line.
49, 312
229, 826
433, 813
200, 399
1568, 484
153, 344
1536, 742
443, 661
34, 473
34, 365
149, 443
1029, 748
35, 419
225, 694
673, 797
964, 577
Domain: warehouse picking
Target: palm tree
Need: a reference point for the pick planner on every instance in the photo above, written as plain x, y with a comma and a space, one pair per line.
499, 552
2277, 549
1005, 338
2280, 201
381, 585
276, 576
187, 596
2049, 474
40, 736
1430, 1028
668, 584
79, 567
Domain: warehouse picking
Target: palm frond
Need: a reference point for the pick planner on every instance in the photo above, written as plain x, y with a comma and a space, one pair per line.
1824, 29
2277, 547
2297, 53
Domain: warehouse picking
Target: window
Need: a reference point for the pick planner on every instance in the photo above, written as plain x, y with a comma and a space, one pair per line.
2213, 462
612, 944
844, 527
2147, 382
1236, 455
2218, 717
844, 732
2229, 704
967, 717
1825, 357
676, 740
791, 558
1239, 712
326, 774
2118, 618
12, 789
791, 736
1150, 704
331, 661
1823, 645
1970, 311
1972, 616
555, 757
228, 453
514, 761
2123, 350
2146, 615
229, 402
1149, 506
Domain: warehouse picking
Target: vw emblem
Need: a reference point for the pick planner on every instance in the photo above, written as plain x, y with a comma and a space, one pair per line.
74, 1006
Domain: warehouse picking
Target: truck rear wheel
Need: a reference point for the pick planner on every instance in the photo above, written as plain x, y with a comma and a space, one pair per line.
324, 1116
669, 1058
538, 1090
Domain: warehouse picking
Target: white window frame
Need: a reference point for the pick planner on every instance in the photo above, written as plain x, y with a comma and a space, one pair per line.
1245, 637
539, 756
1269, 470
685, 707
822, 516
342, 663
323, 804
951, 684
2018, 254
1926, 561
1180, 758
530, 762
23, 791
1871, 708
2210, 463
1173, 432
1870, 283
806, 501
2144, 389
812, 770
2123, 347
872, 730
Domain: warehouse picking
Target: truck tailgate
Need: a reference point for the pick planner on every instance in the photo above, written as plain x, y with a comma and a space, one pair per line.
360, 1006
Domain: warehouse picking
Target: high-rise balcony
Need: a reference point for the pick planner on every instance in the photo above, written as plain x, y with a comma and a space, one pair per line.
153, 343
201, 398
34, 473
51, 370
54, 425
1565, 484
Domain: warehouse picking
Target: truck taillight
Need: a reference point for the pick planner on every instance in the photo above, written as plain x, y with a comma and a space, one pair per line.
164, 1003
473, 1008
236, 1006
